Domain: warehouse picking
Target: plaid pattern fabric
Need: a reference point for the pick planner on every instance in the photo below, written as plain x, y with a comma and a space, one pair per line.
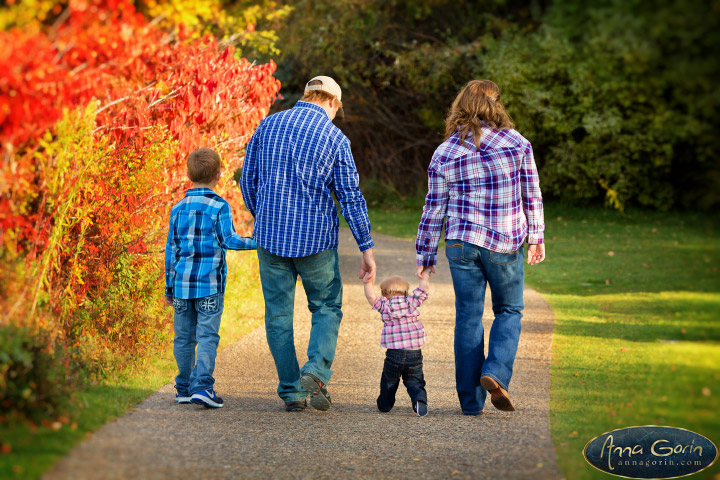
402, 328
201, 229
490, 197
294, 162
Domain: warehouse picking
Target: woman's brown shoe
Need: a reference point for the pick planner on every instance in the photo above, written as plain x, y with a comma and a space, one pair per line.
498, 395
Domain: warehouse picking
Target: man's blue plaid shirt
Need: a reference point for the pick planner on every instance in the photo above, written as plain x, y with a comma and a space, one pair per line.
294, 162
201, 229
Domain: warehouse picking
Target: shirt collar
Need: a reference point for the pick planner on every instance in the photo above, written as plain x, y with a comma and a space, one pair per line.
199, 191
312, 106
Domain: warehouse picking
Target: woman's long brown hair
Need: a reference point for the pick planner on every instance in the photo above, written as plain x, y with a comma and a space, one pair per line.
478, 102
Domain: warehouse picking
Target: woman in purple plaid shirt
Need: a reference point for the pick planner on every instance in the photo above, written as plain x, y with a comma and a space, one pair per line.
483, 185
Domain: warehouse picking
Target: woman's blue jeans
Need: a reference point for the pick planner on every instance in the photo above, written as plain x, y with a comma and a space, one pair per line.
320, 275
473, 267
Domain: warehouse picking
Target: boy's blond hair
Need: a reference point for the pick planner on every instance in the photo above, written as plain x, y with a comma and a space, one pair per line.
203, 165
394, 286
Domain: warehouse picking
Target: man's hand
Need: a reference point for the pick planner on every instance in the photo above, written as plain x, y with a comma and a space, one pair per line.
367, 266
421, 269
169, 301
536, 254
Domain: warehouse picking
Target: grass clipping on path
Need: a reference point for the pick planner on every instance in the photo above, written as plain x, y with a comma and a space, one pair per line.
31, 450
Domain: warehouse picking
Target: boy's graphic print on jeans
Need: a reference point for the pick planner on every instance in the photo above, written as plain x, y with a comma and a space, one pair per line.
402, 335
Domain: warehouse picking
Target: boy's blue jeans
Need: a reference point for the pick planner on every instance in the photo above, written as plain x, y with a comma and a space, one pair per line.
405, 364
197, 322
473, 267
320, 275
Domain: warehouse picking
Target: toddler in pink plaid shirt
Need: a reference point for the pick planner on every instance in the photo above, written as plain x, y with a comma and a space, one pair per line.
402, 335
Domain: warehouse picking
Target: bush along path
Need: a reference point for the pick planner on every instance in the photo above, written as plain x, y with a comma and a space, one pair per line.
253, 437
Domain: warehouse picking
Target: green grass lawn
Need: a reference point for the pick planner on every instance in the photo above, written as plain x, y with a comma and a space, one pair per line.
636, 299
34, 448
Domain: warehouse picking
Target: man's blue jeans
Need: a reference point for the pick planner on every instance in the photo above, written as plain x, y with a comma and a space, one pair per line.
320, 275
471, 268
197, 322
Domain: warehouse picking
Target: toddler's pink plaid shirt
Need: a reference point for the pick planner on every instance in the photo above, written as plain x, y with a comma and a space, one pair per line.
402, 328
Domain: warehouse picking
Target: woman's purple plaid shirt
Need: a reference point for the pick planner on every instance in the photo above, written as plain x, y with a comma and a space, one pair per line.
402, 328
491, 197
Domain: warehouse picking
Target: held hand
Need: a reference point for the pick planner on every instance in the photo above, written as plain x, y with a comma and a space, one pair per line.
368, 269
536, 254
424, 270
169, 301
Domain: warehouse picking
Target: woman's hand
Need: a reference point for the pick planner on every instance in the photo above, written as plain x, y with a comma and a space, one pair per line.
536, 254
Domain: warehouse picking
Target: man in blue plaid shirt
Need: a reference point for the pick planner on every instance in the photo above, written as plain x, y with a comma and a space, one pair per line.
294, 162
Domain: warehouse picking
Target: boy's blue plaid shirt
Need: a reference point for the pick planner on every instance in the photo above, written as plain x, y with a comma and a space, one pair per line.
201, 229
294, 162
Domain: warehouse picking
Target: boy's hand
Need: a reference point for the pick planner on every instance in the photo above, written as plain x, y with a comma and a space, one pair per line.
169, 301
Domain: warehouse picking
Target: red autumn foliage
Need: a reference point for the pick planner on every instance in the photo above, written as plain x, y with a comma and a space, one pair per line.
106, 50
159, 97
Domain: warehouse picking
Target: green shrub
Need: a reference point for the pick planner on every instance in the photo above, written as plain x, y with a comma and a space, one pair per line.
33, 375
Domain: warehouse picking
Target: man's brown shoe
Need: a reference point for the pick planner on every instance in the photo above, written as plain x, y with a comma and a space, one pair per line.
498, 395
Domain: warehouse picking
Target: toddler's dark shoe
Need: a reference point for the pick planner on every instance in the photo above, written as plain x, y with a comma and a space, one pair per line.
319, 396
297, 406
498, 395
420, 408
207, 398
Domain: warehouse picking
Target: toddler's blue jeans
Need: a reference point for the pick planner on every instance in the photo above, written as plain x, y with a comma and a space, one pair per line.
405, 364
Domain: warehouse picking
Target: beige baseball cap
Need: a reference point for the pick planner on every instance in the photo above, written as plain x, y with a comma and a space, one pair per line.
327, 85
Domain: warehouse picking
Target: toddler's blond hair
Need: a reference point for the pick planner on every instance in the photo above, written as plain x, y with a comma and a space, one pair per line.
394, 286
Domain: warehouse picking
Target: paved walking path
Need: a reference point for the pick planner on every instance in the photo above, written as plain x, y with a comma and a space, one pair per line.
253, 437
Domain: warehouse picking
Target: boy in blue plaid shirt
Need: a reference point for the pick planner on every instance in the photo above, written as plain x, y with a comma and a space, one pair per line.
201, 229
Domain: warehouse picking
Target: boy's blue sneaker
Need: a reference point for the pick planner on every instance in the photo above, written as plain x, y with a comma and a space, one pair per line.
421, 408
183, 398
207, 398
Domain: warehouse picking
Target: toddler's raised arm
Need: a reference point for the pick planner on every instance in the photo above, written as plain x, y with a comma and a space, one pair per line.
370, 292
425, 280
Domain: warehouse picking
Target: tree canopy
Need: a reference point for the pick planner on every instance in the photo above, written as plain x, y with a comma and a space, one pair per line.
617, 97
